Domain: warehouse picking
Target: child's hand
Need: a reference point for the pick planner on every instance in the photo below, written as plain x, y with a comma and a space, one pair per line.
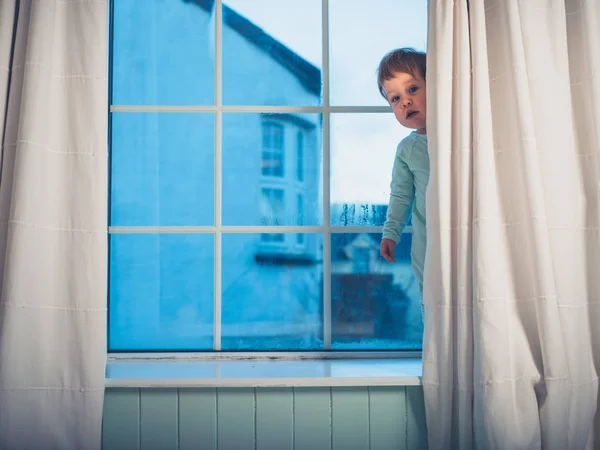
387, 248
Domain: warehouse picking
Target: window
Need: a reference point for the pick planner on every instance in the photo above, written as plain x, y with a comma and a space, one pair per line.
300, 155
361, 258
272, 209
272, 149
250, 161
300, 203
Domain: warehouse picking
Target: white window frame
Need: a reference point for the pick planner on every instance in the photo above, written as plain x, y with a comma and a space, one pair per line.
218, 230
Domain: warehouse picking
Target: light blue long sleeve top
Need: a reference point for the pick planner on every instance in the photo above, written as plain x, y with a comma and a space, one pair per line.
410, 177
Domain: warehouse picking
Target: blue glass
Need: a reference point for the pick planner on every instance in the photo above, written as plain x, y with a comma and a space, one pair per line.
375, 305
161, 292
363, 150
162, 169
272, 293
356, 44
163, 53
272, 53
260, 167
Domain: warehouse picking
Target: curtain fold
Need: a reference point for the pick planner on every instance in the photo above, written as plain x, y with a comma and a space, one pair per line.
512, 298
53, 216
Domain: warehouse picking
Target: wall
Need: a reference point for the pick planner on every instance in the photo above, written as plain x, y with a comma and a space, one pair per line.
357, 418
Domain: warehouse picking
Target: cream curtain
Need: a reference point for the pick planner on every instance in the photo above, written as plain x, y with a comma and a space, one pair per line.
512, 296
53, 178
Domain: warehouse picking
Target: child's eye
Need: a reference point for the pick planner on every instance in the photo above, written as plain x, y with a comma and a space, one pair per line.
413, 89
395, 98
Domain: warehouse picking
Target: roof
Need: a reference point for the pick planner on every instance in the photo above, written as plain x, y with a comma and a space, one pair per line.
341, 241
308, 74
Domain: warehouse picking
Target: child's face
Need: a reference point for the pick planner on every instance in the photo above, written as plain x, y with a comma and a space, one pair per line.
406, 96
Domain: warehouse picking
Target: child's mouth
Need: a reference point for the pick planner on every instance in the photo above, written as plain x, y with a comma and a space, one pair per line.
411, 113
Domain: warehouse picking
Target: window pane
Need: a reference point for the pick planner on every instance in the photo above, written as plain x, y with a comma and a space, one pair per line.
375, 305
363, 148
163, 53
273, 156
272, 294
162, 169
259, 157
272, 210
300, 155
161, 292
272, 206
272, 52
361, 32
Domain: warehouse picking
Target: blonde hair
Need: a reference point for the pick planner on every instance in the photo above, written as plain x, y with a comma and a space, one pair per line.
401, 60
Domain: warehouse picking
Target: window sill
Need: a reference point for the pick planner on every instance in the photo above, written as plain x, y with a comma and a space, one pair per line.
263, 373
284, 257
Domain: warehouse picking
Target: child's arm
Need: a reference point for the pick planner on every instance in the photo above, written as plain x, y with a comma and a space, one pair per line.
402, 192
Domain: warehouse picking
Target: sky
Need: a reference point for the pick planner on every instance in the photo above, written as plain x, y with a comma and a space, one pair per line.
360, 33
